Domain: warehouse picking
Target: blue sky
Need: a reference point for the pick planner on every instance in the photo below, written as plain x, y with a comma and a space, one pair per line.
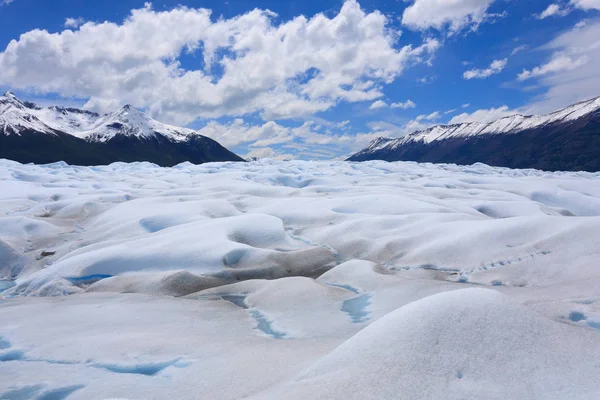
265, 81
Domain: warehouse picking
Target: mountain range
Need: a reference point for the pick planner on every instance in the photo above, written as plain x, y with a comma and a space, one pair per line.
566, 140
30, 133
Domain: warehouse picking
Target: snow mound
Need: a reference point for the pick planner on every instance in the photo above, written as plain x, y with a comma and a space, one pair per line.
230, 249
465, 344
170, 283
18, 236
298, 280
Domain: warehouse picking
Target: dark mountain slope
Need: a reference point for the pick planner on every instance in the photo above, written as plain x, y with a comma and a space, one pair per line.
570, 144
32, 134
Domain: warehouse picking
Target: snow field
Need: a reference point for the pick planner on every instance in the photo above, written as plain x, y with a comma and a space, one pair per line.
298, 280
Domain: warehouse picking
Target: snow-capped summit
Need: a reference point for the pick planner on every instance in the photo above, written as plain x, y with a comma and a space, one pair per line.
511, 124
10, 95
16, 116
8, 99
377, 143
76, 135
129, 121
568, 139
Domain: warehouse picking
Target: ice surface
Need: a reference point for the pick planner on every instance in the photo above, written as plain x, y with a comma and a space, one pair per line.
472, 343
298, 280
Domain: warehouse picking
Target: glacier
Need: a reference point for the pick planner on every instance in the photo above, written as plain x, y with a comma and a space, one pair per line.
295, 280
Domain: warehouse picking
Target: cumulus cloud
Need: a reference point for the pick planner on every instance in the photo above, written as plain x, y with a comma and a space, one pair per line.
249, 63
495, 68
439, 14
586, 4
404, 105
73, 22
429, 117
571, 73
559, 62
483, 115
377, 105
239, 132
311, 137
560, 10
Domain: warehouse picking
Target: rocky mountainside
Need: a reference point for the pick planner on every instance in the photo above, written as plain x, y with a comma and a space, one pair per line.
30, 133
568, 139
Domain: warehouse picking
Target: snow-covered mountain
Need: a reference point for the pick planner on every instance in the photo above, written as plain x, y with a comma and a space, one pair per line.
127, 134
85, 124
568, 139
17, 117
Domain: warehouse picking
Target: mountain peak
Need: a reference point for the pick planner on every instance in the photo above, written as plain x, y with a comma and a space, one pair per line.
130, 112
11, 96
128, 108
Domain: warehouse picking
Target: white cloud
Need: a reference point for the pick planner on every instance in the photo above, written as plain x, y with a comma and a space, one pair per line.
405, 106
466, 105
310, 137
377, 105
429, 117
519, 49
559, 62
586, 4
483, 115
553, 10
450, 111
495, 68
251, 62
566, 76
560, 10
74, 22
402, 105
426, 80
5, 2
456, 14
387, 129
343, 124
239, 132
